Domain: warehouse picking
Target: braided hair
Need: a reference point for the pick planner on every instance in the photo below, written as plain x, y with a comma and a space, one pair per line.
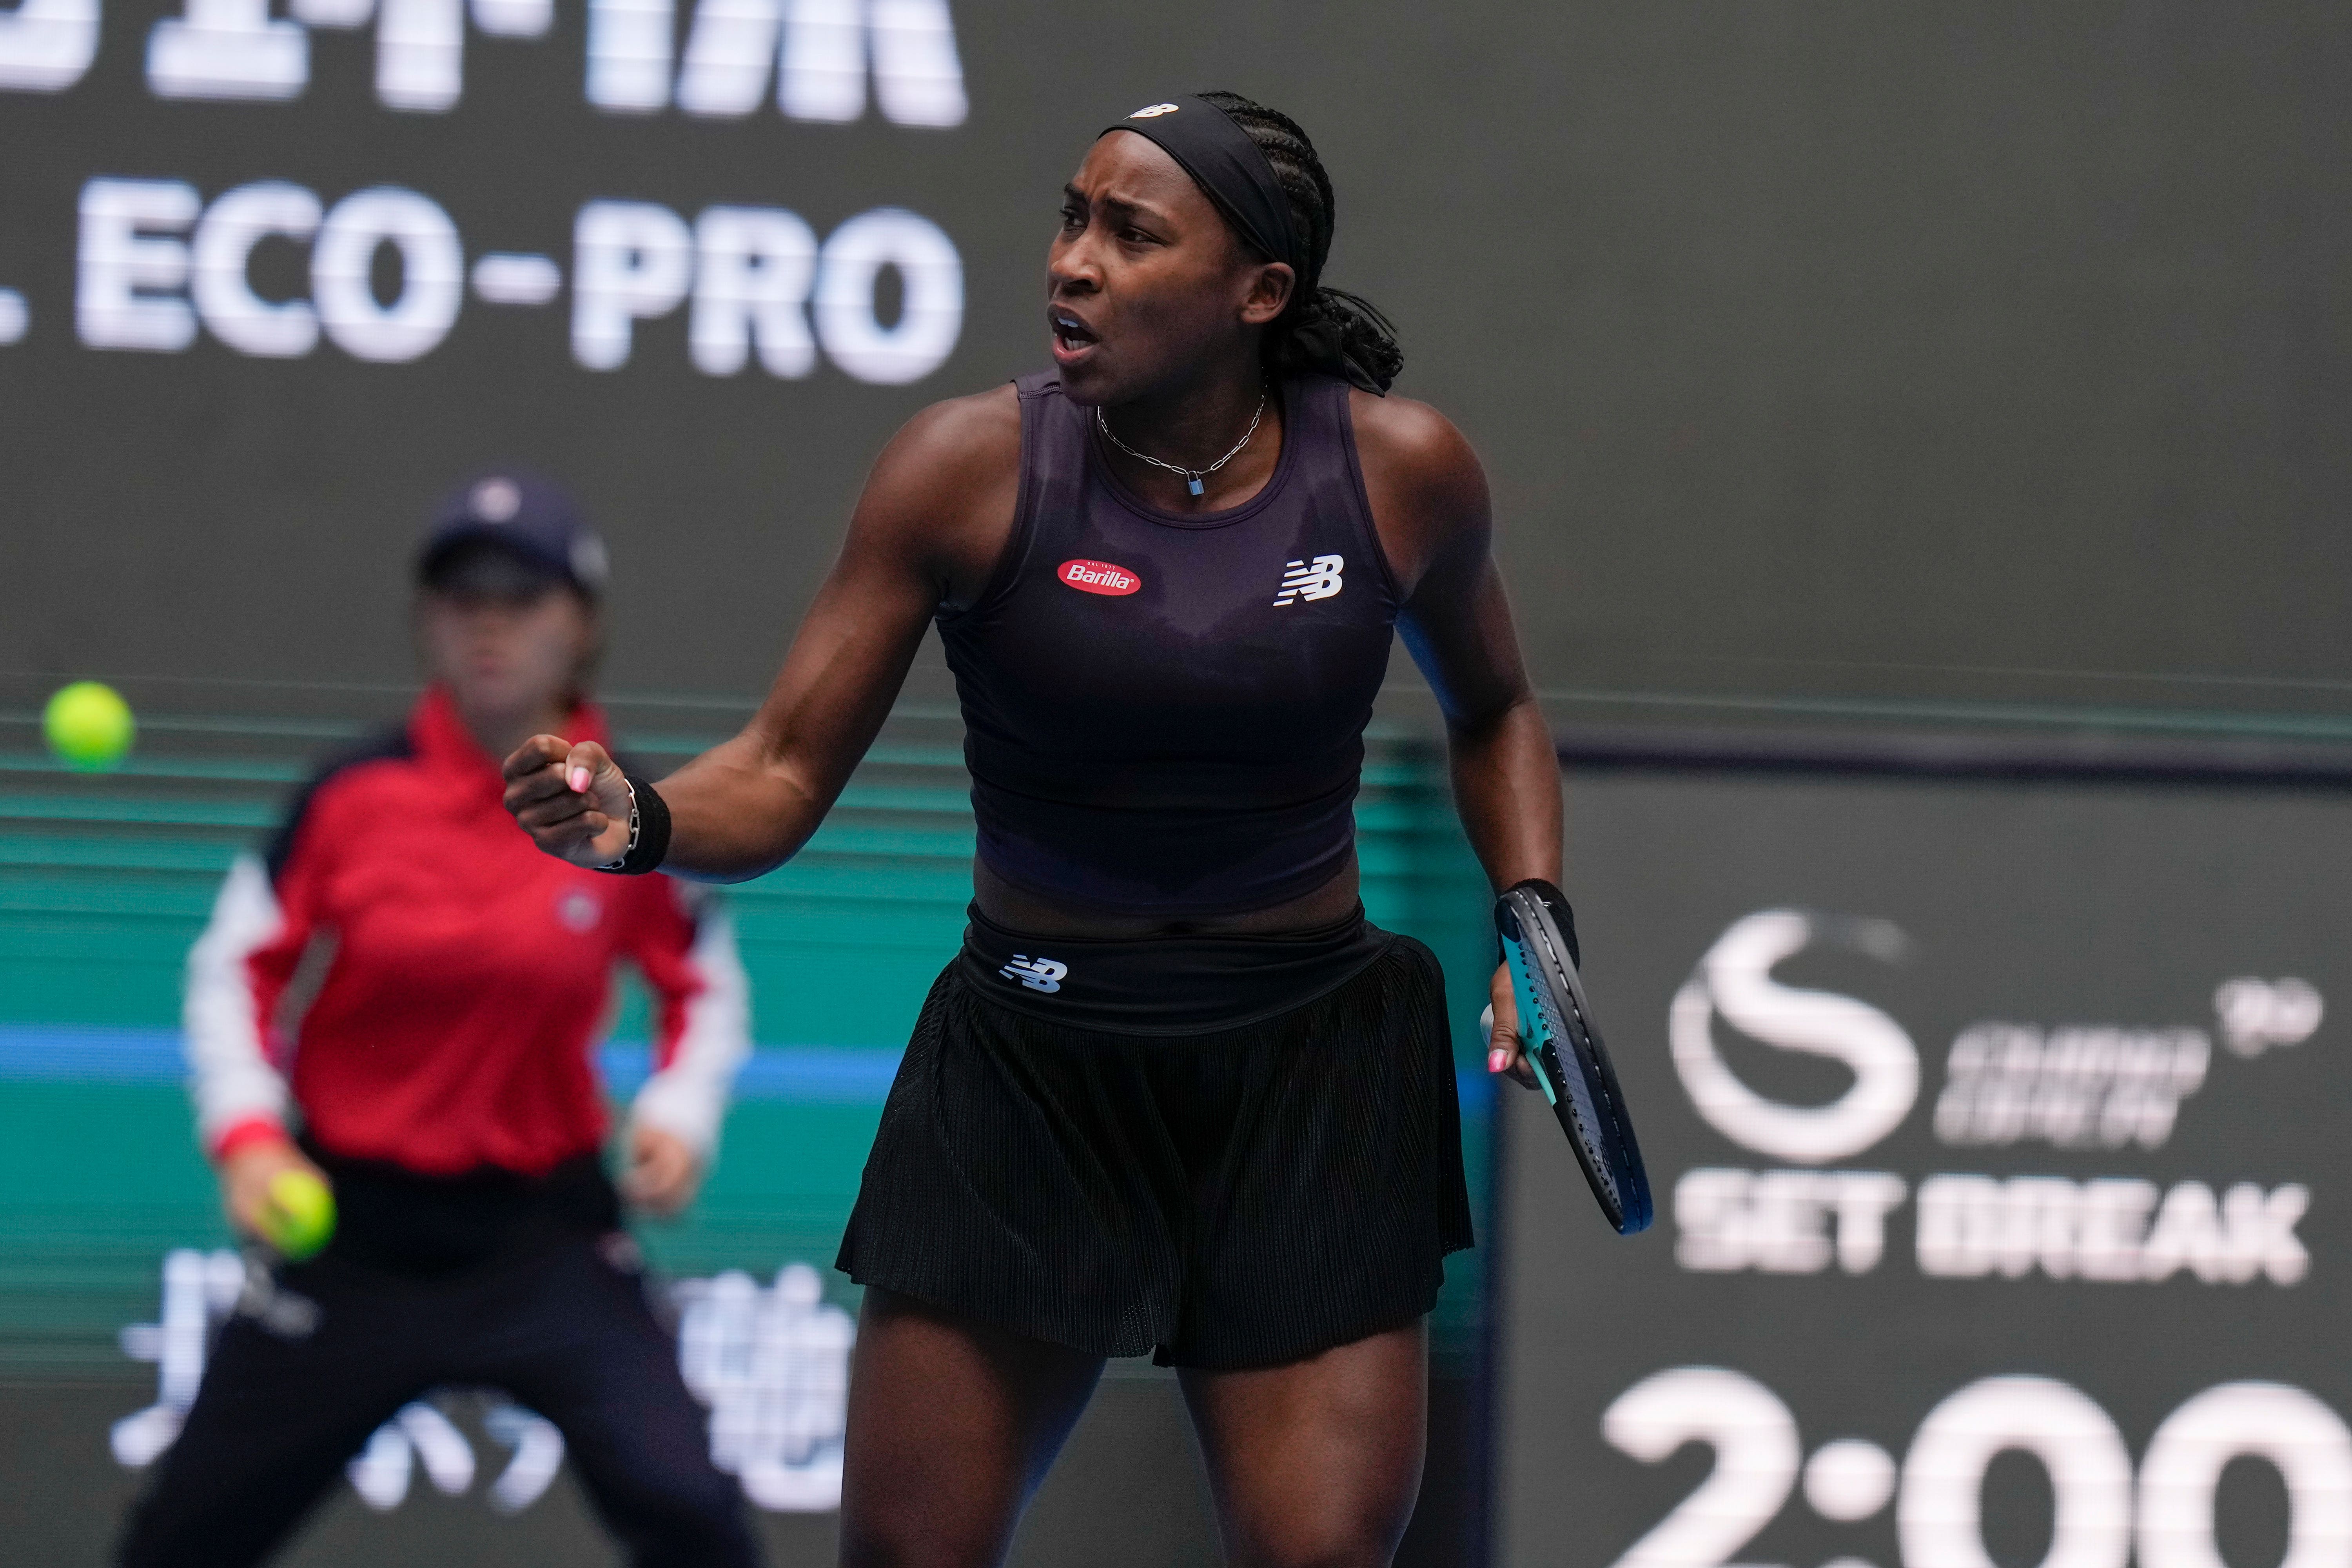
1324, 329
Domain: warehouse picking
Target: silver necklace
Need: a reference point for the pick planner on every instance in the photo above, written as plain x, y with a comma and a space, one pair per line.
1192, 477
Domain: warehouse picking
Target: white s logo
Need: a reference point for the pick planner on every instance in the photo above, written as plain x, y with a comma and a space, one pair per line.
1735, 979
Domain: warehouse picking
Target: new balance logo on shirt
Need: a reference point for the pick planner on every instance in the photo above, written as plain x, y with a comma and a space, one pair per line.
1316, 579
1036, 974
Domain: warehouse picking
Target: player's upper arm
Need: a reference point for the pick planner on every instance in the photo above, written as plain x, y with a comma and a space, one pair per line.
1427, 488
933, 518
928, 526
1436, 516
937, 507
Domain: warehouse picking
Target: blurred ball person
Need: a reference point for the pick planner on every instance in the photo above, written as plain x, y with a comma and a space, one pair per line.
450, 982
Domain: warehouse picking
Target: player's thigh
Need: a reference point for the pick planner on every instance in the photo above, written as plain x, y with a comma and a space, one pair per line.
1318, 1462
274, 1423
951, 1425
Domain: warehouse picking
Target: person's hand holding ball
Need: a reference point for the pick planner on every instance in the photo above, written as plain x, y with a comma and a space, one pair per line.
272, 1191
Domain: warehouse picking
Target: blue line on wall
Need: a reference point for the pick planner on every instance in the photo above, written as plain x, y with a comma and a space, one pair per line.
805, 1075
67, 1053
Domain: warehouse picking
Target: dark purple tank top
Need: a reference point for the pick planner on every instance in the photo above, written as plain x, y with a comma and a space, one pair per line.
1164, 713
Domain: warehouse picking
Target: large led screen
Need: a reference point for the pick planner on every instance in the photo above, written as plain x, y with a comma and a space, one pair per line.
1995, 1134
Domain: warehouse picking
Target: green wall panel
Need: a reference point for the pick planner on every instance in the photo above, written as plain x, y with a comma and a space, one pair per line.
105, 880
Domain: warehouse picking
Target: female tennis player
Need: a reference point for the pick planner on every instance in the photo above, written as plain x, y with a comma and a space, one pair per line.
1175, 1095
439, 988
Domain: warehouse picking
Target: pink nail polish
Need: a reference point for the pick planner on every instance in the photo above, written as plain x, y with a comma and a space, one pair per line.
1495, 1060
580, 781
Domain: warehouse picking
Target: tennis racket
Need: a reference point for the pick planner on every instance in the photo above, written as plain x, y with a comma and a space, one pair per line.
1571, 1065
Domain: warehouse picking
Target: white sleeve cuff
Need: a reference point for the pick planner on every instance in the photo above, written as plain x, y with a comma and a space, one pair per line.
229, 1070
687, 1099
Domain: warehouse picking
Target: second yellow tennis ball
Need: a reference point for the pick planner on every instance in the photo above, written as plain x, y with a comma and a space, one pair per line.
299, 1217
89, 725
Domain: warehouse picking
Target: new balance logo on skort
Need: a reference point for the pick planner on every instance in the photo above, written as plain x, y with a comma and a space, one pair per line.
1036, 974
1316, 579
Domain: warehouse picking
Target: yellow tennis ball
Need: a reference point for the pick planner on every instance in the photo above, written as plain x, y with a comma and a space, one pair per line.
89, 724
299, 1217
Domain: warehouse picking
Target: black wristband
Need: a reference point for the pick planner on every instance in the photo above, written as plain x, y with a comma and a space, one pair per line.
649, 831
1562, 917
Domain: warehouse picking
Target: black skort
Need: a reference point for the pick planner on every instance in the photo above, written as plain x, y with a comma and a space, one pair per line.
1246, 1197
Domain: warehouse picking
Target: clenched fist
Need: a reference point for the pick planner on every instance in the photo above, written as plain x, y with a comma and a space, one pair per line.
571, 799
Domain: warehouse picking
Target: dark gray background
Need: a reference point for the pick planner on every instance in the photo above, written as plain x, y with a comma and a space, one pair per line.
2072, 904
1830, 348
1842, 350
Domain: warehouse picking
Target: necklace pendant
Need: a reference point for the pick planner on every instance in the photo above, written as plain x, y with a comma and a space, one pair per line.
1193, 483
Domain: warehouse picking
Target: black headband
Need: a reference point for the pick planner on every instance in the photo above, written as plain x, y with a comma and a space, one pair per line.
1230, 167
1234, 172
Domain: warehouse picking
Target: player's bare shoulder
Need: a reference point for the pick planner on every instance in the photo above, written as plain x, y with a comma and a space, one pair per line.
1427, 487
944, 491
956, 445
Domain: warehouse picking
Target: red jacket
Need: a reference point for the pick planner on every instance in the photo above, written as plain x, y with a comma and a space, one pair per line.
436, 983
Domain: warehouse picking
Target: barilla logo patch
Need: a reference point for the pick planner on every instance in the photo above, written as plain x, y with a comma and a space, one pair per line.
1099, 577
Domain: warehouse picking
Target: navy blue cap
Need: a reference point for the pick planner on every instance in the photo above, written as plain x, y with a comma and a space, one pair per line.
533, 518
